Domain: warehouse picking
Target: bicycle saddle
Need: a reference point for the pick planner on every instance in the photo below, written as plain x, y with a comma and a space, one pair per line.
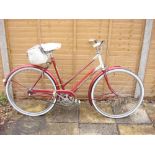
50, 46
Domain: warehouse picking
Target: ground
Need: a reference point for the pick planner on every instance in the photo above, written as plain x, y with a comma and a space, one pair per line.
81, 120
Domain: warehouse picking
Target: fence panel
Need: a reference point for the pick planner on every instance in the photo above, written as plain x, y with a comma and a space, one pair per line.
123, 40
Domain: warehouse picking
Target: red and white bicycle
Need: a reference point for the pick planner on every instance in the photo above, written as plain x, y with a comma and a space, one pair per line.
33, 90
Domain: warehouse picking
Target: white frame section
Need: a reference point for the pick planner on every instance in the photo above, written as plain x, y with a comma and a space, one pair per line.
101, 62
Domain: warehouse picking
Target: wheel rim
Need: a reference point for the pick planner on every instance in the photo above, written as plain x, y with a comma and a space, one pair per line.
120, 101
20, 82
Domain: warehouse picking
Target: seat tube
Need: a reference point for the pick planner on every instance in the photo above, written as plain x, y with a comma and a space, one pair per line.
57, 73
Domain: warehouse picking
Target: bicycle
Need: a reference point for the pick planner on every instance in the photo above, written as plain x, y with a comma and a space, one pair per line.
40, 90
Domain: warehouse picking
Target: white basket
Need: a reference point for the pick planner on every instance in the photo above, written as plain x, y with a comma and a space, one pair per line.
37, 56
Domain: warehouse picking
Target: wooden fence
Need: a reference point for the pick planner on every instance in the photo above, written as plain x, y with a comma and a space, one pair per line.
123, 39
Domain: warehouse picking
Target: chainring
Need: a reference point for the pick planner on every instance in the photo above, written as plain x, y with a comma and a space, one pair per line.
65, 99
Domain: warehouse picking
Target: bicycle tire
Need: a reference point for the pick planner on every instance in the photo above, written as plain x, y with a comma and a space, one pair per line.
10, 92
113, 113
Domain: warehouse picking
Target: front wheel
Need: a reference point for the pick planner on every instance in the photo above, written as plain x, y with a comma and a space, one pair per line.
19, 91
113, 95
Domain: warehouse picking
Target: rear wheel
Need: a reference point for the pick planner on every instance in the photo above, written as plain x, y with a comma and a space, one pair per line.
113, 93
19, 91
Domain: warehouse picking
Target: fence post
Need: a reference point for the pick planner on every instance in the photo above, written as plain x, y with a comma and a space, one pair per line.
3, 49
144, 52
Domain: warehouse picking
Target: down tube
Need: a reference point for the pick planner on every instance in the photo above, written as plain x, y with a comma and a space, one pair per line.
78, 84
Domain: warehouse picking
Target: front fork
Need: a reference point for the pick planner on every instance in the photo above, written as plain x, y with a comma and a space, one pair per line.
108, 84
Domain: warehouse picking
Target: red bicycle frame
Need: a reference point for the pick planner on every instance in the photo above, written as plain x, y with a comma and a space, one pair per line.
77, 85
62, 85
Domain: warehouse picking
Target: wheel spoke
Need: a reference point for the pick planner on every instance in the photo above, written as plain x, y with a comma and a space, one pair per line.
19, 84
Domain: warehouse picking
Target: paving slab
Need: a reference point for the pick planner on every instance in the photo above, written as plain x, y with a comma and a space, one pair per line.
98, 129
38, 125
25, 126
19, 124
60, 129
89, 115
62, 114
150, 109
139, 117
136, 129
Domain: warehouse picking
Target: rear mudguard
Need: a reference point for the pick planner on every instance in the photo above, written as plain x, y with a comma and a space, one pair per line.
97, 76
34, 66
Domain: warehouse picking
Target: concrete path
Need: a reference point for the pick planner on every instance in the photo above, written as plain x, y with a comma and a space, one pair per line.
81, 120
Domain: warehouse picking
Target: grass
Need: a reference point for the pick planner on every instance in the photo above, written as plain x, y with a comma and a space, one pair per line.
3, 100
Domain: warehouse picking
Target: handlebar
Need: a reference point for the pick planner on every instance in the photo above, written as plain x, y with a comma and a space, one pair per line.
96, 43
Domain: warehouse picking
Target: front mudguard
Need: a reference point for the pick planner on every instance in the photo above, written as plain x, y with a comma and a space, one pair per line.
97, 76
